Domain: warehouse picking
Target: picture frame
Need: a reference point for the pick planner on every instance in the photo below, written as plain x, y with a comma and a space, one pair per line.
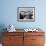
26, 14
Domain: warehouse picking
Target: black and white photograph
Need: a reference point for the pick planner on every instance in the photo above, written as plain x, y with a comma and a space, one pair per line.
26, 14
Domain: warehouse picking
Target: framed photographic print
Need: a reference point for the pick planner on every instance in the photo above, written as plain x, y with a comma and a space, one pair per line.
26, 14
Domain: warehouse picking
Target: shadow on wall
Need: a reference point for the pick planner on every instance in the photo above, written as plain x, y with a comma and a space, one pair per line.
2, 26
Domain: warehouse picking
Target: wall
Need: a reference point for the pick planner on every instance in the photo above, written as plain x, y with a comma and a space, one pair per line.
8, 9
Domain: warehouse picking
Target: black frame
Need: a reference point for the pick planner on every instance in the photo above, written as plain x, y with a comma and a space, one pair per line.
19, 10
